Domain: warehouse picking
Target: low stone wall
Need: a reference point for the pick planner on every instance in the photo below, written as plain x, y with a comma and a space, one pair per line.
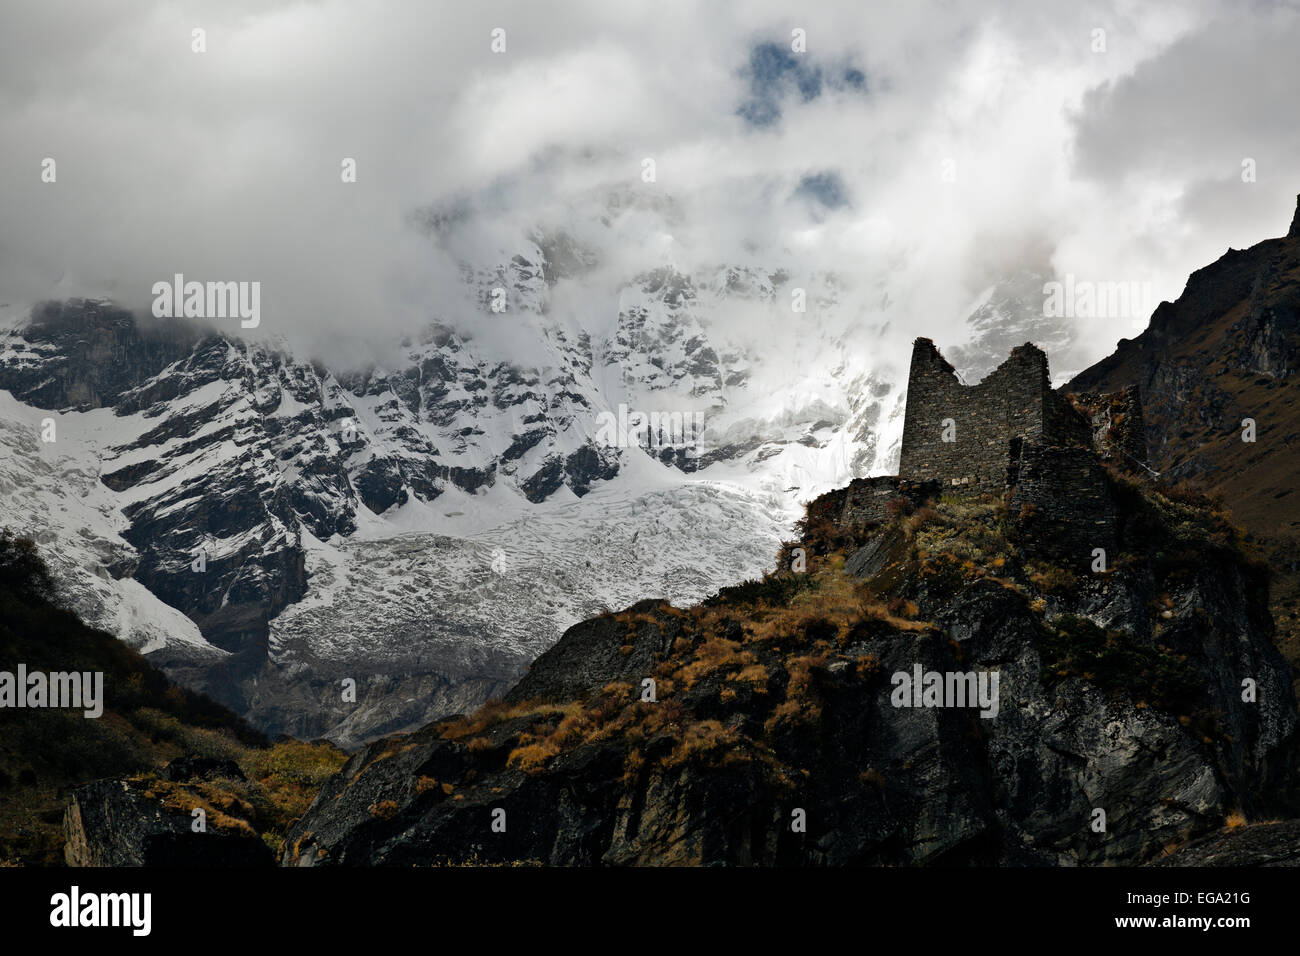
868, 500
1063, 506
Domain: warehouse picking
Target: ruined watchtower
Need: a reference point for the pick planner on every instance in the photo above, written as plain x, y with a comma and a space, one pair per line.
975, 436
1011, 435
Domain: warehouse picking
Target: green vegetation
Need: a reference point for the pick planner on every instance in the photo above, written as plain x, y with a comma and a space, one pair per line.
773, 590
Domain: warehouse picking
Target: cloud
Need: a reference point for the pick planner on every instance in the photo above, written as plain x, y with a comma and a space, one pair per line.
1193, 151
226, 164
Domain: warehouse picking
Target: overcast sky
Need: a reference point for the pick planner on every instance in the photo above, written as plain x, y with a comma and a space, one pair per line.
1122, 164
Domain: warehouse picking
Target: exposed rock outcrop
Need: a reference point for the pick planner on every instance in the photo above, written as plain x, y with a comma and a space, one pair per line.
1263, 844
121, 823
1217, 372
765, 728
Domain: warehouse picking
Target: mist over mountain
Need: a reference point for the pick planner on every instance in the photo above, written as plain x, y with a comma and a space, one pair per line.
965, 147
302, 488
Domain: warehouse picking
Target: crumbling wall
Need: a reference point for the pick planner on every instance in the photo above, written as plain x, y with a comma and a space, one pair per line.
985, 422
870, 500
1063, 505
1012, 433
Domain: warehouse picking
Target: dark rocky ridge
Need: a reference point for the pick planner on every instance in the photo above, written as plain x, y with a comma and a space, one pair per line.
1264, 844
1226, 350
91, 353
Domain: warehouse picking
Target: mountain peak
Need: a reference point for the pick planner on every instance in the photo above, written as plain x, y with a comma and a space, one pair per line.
1295, 222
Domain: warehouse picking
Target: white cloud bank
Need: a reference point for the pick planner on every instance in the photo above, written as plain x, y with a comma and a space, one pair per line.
1114, 166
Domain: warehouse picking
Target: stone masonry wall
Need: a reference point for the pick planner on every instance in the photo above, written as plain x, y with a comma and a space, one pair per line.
868, 500
1063, 501
1013, 434
1013, 404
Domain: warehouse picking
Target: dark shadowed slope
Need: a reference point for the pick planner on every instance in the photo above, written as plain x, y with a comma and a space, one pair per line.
1228, 350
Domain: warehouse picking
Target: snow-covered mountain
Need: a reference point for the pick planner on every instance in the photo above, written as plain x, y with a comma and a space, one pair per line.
270, 529
1009, 313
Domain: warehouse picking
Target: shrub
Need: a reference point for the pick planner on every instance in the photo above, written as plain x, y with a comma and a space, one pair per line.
1051, 579
773, 591
21, 567
530, 758
899, 507
942, 576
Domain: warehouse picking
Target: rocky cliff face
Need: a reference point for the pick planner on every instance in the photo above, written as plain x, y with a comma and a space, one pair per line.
1135, 709
126, 823
1265, 844
1217, 372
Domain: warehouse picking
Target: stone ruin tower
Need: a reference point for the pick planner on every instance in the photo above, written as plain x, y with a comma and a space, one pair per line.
1012, 435
974, 435
983, 436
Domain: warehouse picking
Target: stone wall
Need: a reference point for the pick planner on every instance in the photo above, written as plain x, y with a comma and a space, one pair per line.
1063, 506
986, 422
992, 420
869, 500
1012, 435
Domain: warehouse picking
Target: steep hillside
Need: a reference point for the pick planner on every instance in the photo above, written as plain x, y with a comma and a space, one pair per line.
1229, 350
765, 725
147, 723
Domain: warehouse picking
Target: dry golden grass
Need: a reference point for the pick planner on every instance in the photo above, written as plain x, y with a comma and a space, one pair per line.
713, 655
632, 767
531, 758
223, 809
745, 650
756, 675
701, 738
496, 712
